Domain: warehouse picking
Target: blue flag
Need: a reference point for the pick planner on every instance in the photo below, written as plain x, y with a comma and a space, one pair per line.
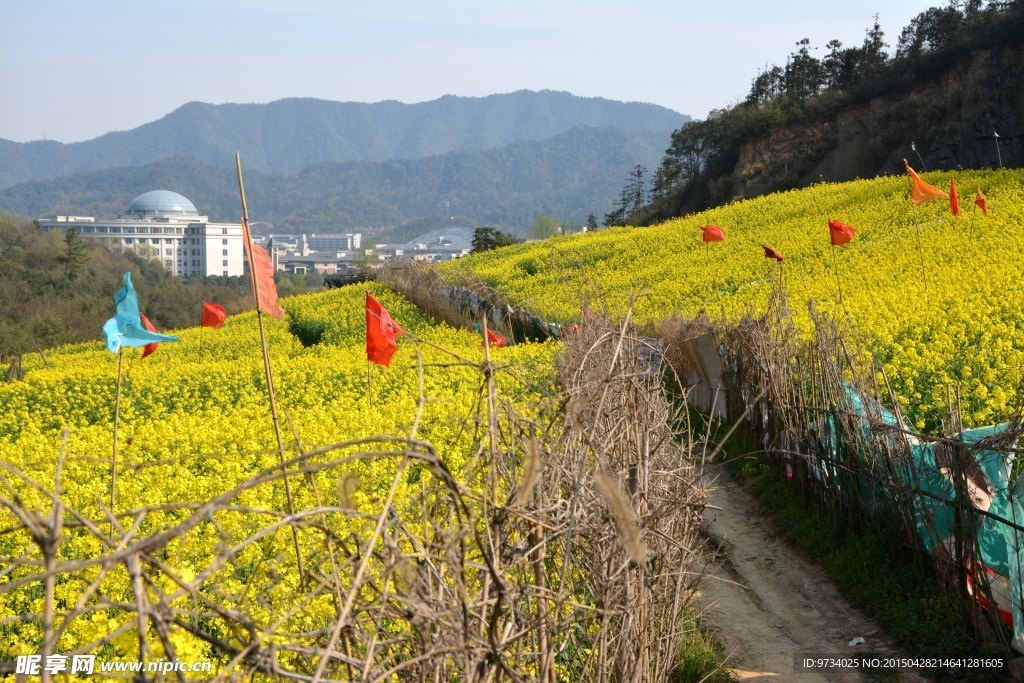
125, 328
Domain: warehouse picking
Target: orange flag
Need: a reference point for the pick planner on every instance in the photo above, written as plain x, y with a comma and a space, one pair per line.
712, 233
213, 315
148, 348
380, 333
495, 340
839, 233
263, 273
981, 202
954, 201
771, 253
922, 192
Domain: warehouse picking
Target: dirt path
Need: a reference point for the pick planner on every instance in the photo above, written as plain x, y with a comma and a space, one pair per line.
767, 604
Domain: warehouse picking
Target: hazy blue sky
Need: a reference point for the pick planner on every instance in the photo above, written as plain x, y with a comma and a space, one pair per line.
75, 69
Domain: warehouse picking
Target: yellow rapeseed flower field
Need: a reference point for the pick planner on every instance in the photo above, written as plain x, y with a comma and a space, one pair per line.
956, 321
195, 422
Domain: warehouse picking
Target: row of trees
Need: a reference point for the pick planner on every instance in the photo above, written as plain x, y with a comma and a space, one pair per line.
693, 173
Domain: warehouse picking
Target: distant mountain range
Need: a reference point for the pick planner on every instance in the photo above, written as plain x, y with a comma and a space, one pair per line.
291, 135
568, 175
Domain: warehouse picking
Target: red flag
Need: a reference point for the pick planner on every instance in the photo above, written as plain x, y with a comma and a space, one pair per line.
712, 233
148, 348
954, 201
922, 192
839, 233
263, 273
380, 333
213, 315
981, 202
771, 253
495, 340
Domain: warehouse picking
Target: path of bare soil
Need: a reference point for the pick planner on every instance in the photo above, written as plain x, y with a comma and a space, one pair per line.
767, 604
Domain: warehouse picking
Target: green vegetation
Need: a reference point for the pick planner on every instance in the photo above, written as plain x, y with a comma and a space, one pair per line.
702, 659
545, 226
569, 175
695, 170
910, 604
485, 239
58, 289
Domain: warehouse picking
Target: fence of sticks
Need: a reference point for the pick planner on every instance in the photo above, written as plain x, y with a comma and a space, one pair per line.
576, 561
814, 408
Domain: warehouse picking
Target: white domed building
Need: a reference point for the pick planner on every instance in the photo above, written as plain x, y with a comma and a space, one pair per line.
165, 226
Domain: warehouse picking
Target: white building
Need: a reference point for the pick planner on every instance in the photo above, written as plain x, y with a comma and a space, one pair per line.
165, 226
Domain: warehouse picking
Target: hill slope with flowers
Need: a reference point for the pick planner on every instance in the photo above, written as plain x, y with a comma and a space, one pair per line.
194, 424
935, 298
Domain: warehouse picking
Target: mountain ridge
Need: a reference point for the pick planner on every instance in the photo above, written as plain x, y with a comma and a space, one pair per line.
568, 175
289, 135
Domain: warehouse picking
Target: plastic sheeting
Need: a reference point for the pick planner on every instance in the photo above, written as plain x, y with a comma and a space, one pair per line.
927, 476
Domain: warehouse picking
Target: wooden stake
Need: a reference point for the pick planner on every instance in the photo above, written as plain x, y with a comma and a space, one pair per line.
247, 239
839, 284
117, 420
920, 250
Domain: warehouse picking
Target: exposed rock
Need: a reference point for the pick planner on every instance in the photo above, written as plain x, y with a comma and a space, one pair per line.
950, 119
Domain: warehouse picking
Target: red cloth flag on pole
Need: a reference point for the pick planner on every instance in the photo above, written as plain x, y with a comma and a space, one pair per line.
839, 233
380, 333
771, 253
954, 201
981, 202
495, 340
213, 315
922, 192
712, 233
148, 348
263, 274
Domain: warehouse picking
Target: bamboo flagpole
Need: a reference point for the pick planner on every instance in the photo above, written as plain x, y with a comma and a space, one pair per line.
920, 251
839, 282
117, 420
921, 192
129, 327
838, 234
247, 240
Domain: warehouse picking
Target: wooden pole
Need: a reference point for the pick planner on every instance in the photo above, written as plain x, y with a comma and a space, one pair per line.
247, 239
117, 420
839, 283
920, 251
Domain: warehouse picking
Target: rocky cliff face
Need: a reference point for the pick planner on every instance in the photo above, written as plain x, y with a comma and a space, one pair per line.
950, 120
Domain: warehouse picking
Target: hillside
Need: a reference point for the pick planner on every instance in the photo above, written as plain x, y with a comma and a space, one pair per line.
57, 289
568, 175
957, 322
290, 135
385, 521
953, 81
949, 120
